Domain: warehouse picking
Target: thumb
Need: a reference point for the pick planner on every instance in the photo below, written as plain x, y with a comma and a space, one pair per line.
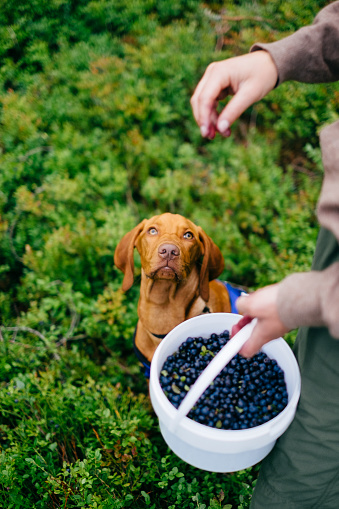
242, 305
254, 343
239, 325
242, 100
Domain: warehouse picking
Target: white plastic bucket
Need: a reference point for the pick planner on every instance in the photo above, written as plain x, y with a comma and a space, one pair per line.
213, 449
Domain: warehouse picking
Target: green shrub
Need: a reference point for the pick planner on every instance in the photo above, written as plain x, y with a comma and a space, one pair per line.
97, 133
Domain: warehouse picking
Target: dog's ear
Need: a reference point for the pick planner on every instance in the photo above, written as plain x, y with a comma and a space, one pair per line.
124, 255
212, 264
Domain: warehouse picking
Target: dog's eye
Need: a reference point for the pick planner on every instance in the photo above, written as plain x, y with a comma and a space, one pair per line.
188, 235
153, 231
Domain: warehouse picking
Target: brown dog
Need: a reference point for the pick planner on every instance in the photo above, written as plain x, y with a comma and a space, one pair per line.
179, 265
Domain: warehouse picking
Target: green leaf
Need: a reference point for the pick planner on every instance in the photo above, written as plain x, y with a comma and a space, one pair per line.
175, 389
146, 497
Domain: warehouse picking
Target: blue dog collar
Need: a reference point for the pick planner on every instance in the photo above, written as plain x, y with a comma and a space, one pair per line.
234, 293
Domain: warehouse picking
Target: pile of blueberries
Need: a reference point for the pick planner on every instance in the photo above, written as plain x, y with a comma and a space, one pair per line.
245, 394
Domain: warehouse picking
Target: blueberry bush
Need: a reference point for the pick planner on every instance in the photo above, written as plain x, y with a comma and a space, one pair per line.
96, 133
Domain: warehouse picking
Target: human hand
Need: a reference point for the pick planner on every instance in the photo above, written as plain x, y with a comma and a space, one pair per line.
248, 78
262, 305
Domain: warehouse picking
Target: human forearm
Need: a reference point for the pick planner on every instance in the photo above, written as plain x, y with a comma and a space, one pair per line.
315, 300
311, 54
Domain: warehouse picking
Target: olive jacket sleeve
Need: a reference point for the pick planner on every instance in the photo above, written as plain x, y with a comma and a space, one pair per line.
311, 55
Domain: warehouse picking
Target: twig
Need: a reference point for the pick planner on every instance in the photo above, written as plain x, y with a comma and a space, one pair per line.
56, 282
297, 166
34, 151
36, 333
68, 334
25, 329
64, 340
224, 17
243, 18
223, 24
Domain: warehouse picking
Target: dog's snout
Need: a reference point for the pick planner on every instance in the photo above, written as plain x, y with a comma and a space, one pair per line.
168, 251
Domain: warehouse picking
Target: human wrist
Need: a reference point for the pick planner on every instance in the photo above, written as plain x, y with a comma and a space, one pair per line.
267, 63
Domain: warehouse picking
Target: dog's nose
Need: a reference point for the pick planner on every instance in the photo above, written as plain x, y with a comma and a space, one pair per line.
168, 251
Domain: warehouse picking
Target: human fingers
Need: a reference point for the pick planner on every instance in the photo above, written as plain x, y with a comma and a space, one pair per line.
261, 304
255, 76
239, 325
265, 330
206, 96
243, 99
212, 128
249, 77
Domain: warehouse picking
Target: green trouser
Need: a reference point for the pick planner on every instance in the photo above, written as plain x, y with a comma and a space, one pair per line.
302, 471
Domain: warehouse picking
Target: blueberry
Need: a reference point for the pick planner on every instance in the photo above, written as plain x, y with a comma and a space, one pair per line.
165, 380
247, 393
